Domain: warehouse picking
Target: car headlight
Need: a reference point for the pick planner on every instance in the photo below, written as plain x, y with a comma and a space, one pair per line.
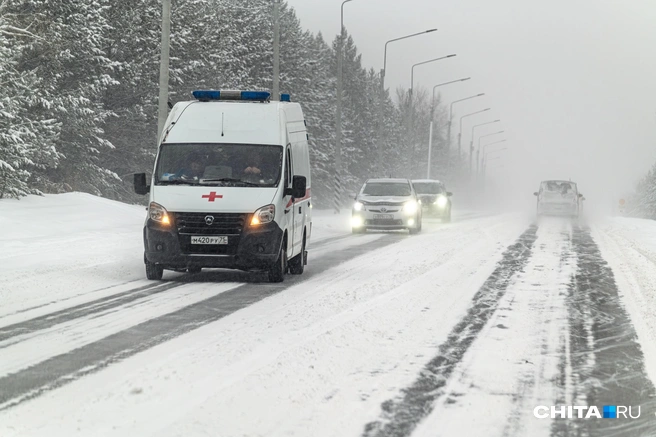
266, 214
158, 213
356, 221
357, 206
410, 207
441, 201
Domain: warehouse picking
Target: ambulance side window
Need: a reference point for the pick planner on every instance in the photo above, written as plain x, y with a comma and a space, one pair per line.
288, 167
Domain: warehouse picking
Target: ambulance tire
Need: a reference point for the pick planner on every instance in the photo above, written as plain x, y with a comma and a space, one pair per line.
153, 271
278, 269
297, 264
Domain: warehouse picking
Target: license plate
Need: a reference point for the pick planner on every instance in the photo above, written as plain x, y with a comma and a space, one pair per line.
219, 239
383, 216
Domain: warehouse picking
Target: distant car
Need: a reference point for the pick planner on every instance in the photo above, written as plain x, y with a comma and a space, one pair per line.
558, 198
386, 204
435, 199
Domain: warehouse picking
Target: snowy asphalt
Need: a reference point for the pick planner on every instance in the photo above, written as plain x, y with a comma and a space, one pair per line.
546, 327
66, 368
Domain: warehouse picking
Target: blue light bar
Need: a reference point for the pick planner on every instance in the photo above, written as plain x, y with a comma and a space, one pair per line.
285, 97
206, 95
255, 95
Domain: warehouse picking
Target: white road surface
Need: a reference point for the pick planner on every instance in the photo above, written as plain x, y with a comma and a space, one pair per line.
461, 330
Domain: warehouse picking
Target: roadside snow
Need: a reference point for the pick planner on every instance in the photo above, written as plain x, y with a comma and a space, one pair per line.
629, 246
316, 359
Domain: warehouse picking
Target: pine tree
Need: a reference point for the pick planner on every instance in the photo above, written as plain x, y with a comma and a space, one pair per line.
69, 60
25, 139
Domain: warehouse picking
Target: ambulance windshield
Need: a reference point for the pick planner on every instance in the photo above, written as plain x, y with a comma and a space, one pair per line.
219, 164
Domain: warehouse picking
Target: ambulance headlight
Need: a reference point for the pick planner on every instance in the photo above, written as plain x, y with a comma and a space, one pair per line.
158, 213
410, 207
441, 201
266, 214
357, 206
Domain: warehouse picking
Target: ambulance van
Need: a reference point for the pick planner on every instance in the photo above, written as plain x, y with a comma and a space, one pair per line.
230, 187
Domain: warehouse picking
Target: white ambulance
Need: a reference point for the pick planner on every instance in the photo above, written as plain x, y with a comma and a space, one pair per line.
230, 187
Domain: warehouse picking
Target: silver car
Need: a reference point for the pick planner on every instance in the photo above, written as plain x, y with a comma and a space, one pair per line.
435, 199
386, 204
558, 198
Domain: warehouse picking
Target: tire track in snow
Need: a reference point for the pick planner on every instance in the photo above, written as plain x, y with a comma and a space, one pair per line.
65, 368
400, 416
106, 303
607, 363
78, 311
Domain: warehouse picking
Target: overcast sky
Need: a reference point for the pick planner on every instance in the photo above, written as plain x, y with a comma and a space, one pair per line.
574, 81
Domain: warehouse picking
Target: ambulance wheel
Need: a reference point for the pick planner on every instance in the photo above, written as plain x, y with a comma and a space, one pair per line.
277, 269
297, 264
153, 271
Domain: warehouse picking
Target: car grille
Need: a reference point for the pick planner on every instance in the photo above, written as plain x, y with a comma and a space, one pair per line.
387, 211
390, 207
189, 224
427, 199
397, 204
386, 222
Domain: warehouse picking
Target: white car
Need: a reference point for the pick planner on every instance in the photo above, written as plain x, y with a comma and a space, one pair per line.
558, 198
386, 204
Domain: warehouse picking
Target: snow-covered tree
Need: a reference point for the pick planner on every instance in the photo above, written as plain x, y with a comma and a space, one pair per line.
26, 138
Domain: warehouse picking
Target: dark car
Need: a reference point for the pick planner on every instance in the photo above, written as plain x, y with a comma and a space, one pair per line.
435, 199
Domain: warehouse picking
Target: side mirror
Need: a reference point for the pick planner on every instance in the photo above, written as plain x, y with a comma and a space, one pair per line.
140, 186
299, 186
449, 193
535, 194
580, 195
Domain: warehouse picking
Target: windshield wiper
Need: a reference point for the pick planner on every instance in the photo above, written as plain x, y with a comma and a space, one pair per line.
250, 184
179, 182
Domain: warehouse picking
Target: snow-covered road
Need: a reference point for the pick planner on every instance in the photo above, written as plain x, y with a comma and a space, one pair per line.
461, 330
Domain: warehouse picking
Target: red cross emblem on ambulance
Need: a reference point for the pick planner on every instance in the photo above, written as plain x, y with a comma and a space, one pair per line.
212, 196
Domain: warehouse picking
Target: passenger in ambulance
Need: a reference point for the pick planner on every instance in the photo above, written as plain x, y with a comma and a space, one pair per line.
193, 169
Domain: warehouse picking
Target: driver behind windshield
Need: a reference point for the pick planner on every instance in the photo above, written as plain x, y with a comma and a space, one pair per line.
194, 168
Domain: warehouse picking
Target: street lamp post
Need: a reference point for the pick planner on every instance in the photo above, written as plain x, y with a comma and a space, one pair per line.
487, 145
460, 133
478, 149
486, 159
338, 116
432, 115
382, 95
410, 108
276, 50
471, 142
164, 68
412, 71
448, 129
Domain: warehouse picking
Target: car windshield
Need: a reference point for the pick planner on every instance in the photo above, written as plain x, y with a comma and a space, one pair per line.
559, 187
386, 189
428, 187
219, 164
